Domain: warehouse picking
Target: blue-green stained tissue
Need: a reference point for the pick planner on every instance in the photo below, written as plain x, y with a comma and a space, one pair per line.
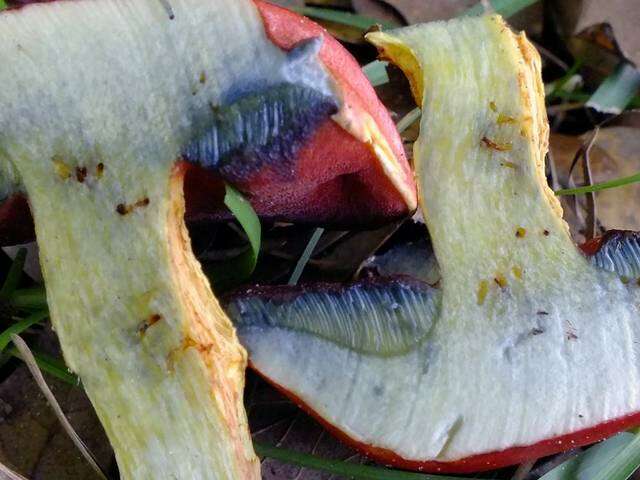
259, 127
619, 253
381, 317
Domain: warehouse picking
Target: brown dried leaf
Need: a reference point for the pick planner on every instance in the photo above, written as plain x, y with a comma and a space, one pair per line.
616, 153
31, 438
276, 420
624, 16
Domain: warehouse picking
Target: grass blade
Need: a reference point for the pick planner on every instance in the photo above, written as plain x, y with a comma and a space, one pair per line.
345, 469
3, 5
46, 391
601, 461
306, 255
29, 299
617, 91
50, 365
409, 119
506, 8
19, 327
376, 72
596, 187
559, 84
246, 216
355, 20
622, 465
14, 275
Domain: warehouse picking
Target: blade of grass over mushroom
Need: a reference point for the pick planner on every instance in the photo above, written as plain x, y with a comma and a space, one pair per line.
3, 4
506, 8
14, 275
19, 327
596, 187
361, 22
31, 363
342, 468
306, 255
617, 91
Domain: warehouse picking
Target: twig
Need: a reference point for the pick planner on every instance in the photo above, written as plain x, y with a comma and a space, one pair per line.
564, 107
583, 152
553, 171
551, 56
523, 470
7, 474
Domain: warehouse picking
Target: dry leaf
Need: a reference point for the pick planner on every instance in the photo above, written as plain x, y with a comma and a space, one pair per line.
623, 15
616, 153
31, 439
275, 420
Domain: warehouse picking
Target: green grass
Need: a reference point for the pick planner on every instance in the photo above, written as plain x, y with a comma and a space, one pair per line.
614, 459
618, 90
306, 255
596, 187
248, 219
230, 273
344, 469
506, 8
349, 19
20, 326
14, 275
376, 72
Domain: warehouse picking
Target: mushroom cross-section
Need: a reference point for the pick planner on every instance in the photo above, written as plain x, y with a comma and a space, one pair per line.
105, 106
528, 347
338, 166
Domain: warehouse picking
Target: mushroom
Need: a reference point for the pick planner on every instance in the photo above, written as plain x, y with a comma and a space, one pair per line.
344, 168
528, 347
105, 107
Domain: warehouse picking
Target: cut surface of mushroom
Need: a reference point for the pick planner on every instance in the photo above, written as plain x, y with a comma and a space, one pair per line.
100, 101
534, 346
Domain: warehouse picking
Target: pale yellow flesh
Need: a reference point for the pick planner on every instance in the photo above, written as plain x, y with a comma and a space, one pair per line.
119, 84
532, 341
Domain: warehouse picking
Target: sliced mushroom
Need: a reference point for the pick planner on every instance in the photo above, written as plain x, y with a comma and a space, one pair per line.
534, 348
342, 163
105, 107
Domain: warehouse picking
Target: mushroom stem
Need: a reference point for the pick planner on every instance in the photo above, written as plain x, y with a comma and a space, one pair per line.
496, 191
138, 323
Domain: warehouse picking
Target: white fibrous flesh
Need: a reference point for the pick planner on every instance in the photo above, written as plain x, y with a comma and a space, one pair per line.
532, 341
98, 100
